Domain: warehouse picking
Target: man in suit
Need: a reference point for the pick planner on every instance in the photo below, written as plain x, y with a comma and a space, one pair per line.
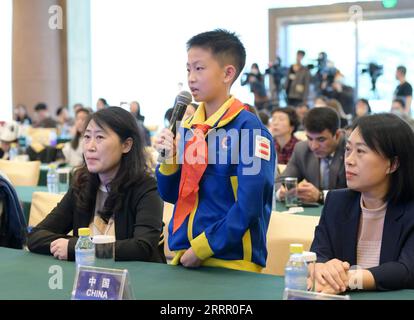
318, 163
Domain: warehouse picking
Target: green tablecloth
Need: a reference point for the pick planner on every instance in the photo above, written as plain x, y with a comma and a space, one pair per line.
26, 276
25, 196
308, 211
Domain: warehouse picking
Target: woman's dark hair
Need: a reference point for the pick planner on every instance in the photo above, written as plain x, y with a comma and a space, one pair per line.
75, 141
133, 166
366, 102
391, 137
291, 113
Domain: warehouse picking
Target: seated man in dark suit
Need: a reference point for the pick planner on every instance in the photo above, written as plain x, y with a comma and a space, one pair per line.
318, 163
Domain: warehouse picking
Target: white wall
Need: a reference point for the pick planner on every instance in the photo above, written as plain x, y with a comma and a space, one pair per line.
6, 13
139, 47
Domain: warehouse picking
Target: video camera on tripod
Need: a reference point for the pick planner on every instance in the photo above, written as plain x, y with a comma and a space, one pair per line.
375, 71
325, 75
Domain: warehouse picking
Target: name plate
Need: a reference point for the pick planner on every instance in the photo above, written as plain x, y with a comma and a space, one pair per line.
290, 294
93, 283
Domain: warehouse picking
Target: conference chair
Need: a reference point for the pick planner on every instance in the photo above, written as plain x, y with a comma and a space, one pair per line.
21, 173
42, 204
284, 229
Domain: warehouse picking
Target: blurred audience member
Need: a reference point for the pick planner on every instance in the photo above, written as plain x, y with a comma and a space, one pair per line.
256, 81
76, 107
43, 119
21, 115
264, 116
301, 111
101, 104
135, 110
283, 125
362, 108
404, 91
341, 92
320, 101
65, 122
336, 105
398, 106
73, 149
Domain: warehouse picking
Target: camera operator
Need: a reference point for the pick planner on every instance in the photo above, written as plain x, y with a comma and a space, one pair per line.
278, 73
404, 91
341, 92
256, 81
297, 85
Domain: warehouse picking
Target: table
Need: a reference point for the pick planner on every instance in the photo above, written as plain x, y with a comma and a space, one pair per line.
149, 281
308, 211
25, 196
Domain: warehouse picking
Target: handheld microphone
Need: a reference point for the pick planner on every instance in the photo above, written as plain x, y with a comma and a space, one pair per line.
181, 102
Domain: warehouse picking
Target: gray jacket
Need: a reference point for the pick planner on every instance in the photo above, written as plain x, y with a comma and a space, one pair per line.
305, 165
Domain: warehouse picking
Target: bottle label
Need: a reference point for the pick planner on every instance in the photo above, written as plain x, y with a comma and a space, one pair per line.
296, 278
85, 257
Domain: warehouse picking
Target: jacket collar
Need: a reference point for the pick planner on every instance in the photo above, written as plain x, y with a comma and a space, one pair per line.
390, 236
225, 114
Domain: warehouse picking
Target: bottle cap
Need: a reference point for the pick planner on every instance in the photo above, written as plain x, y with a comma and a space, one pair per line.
84, 232
296, 248
309, 256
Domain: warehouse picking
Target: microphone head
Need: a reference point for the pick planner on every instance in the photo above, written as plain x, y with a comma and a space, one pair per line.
184, 97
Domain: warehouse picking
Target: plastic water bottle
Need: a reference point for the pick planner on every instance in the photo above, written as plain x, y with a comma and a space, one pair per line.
296, 270
310, 258
13, 152
52, 179
84, 249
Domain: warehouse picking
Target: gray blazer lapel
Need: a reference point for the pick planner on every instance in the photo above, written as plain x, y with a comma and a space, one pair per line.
337, 166
313, 170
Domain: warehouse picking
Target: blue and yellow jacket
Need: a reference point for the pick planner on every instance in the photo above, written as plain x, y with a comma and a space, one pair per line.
228, 225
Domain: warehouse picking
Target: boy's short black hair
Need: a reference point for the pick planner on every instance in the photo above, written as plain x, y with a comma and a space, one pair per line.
301, 52
224, 45
318, 119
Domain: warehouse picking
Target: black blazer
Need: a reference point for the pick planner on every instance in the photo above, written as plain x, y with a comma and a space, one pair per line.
138, 226
337, 232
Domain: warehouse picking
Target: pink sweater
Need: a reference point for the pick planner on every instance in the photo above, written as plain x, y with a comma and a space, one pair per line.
371, 226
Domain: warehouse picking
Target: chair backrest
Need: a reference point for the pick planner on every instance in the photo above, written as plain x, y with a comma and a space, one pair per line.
167, 215
42, 204
21, 173
284, 229
40, 135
